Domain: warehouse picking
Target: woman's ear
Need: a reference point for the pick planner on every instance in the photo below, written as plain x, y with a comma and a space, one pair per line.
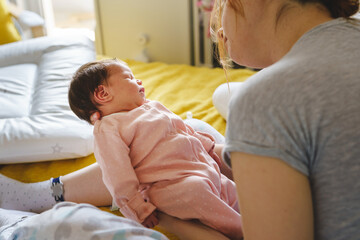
102, 95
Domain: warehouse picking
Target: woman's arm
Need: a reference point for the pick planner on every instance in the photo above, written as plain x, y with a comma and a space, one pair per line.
188, 229
275, 199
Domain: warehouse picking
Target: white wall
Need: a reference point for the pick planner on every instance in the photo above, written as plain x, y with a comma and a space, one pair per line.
74, 13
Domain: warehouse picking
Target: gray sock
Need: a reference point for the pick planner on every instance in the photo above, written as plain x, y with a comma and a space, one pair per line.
33, 197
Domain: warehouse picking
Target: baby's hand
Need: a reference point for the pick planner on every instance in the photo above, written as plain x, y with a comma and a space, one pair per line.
94, 117
151, 221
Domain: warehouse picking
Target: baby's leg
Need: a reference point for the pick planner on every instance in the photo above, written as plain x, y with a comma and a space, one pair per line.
197, 198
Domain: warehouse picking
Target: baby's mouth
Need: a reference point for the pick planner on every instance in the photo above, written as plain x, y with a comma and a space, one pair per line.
142, 90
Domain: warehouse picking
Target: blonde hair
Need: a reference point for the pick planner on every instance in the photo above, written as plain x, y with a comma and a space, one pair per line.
216, 28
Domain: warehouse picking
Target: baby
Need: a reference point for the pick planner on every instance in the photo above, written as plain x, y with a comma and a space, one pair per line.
150, 159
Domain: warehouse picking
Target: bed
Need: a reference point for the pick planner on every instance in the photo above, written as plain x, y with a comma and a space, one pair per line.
181, 88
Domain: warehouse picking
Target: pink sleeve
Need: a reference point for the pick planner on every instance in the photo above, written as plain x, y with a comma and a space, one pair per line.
119, 176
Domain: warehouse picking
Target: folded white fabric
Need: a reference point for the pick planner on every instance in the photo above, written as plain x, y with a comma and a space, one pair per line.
221, 97
36, 123
199, 125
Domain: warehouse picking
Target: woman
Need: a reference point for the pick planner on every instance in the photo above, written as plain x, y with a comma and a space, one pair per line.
293, 127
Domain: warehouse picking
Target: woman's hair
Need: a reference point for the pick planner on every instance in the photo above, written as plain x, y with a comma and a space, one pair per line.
83, 85
216, 27
337, 8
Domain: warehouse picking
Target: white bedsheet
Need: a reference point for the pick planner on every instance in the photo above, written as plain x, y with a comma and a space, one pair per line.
36, 123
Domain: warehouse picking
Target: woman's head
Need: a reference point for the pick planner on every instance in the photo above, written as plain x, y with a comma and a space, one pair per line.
83, 85
248, 30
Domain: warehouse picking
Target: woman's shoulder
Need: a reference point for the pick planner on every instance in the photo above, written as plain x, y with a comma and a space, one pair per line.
326, 56
339, 36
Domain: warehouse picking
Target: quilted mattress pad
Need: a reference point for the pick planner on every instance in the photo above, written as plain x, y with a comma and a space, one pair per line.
36, 123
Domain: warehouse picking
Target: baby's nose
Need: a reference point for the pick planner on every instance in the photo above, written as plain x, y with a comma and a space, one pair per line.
138, 81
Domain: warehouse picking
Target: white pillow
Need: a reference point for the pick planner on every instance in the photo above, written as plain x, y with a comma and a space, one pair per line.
36, 123
221, 97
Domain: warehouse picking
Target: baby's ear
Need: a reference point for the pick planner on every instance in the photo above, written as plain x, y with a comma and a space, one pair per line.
101, 95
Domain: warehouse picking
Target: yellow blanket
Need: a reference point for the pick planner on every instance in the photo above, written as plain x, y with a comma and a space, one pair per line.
181, 88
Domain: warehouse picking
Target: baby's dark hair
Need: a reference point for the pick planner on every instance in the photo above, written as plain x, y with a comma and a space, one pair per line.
83, 85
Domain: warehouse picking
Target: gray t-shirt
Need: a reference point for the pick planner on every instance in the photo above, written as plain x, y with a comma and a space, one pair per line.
305, 110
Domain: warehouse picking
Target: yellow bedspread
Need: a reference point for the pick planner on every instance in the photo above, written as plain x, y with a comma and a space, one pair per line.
181, 88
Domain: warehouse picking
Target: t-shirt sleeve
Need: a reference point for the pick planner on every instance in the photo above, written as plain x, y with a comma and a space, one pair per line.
264, 121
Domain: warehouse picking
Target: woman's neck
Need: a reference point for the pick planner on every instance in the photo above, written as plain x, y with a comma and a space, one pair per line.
294, 22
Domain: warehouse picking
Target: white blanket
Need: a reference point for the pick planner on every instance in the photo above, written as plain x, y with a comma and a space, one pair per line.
73, 221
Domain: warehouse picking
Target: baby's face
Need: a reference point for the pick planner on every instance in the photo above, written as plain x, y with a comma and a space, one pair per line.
127, 91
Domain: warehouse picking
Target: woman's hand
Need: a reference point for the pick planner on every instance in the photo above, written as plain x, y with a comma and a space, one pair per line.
94, 117
151, 221
224, 168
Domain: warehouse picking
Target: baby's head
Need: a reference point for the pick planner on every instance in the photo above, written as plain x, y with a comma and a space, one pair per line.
105, 86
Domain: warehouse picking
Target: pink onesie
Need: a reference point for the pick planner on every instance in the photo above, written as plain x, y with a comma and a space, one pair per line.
151, 159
